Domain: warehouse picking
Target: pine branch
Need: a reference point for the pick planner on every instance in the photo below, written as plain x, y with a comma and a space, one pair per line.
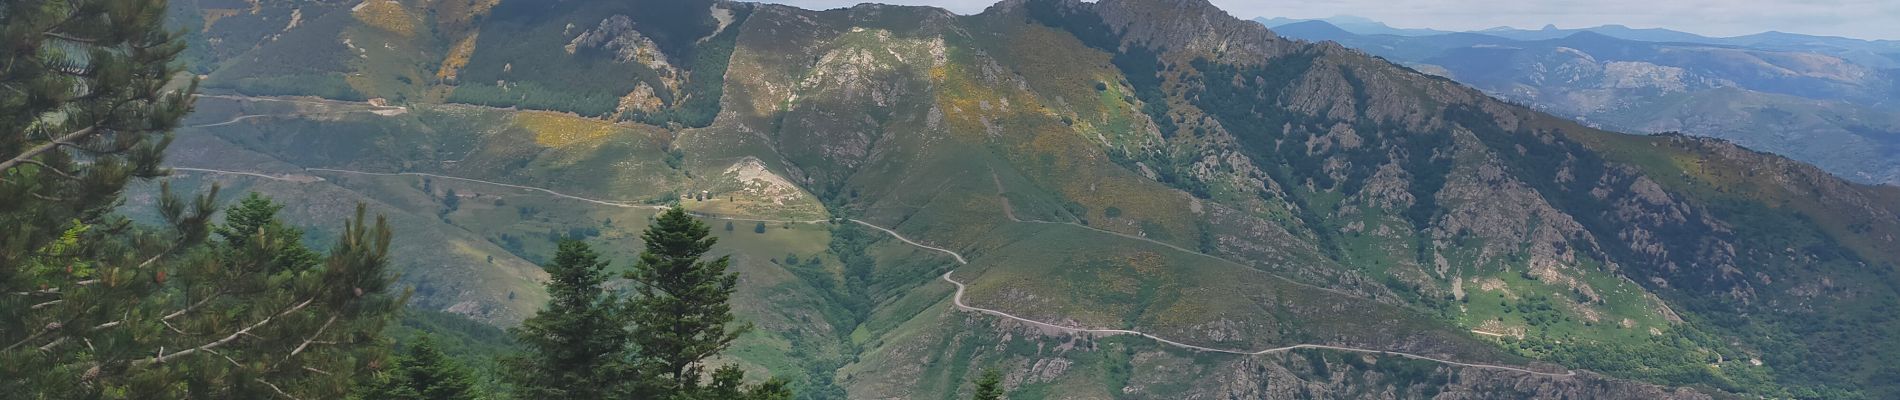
168, 250
71, 38
29, 338
311, 339
51, 291
226, 358
56, 171
45, 197
279, 390
168, 325
220, 342
194, 306
54, 290
48, 146
49, 345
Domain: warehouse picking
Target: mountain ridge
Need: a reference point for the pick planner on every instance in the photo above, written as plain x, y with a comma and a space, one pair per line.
1154, 130
1819, 108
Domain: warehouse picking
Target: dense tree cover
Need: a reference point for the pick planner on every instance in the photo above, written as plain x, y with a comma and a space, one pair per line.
519, 72
308, 61
531, 95
475, 345
699, 99
653, 344
852, 247
422, 372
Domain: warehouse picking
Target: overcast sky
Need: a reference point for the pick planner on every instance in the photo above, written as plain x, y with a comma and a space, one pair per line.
1867, 19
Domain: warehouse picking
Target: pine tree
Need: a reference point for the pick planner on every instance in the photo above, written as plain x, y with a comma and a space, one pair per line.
225, 319
576, 345
681, 314
93, 306
422, 373
79, 83
989, 386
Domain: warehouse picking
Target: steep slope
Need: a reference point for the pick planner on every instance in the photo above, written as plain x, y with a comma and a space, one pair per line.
1092, 169
1827, 110
1493, 190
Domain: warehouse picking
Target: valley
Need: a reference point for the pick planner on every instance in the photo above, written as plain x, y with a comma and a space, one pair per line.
956, 299
1112, 199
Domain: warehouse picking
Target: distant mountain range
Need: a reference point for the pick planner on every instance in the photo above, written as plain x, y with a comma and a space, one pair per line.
1355, 24
1877, 53
1825, 100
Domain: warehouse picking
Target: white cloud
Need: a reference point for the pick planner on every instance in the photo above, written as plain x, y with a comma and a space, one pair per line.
1871, 19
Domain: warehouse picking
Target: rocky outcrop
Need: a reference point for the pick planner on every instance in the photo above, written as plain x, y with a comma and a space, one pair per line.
616, 36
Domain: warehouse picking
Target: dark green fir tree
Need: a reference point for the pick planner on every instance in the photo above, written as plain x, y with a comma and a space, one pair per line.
682, 316
989, 386
575, 346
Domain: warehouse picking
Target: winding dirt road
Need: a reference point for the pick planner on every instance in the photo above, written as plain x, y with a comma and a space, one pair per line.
240, 118
283, 178
894, 234
528, 188
957, 299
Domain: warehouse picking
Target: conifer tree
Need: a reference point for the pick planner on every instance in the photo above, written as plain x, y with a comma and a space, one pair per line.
226, 319
576, 344
79, 82
681, 315
422, 373
93, 306
989, 386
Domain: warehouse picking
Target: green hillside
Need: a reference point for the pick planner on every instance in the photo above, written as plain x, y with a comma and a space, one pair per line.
1141, 165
